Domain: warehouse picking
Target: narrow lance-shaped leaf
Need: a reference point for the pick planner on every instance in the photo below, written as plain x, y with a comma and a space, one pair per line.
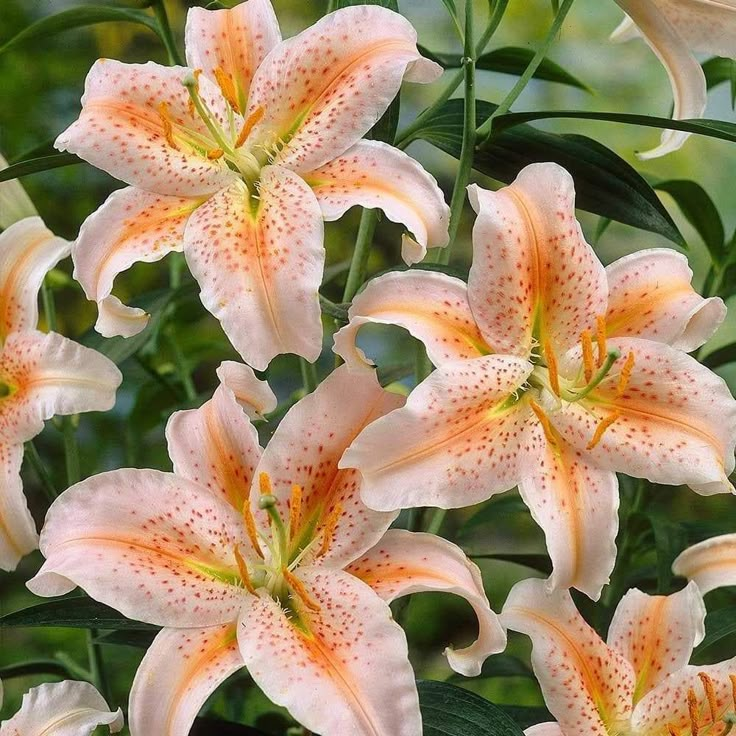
86, 15
606, 185
35, 165
719, 70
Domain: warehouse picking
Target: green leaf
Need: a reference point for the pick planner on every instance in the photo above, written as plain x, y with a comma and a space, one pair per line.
208, 726
77, 612
448, 710
35, 165
526, 715
700, 212
390, 4
670, 539
603, 224
500, 665
86, 15
721, 356
700, 126
718, 625
606, 184
541, 563
510, 60
128, 638
718, 70
34, 667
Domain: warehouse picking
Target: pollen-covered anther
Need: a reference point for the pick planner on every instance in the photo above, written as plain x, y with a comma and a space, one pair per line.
554, 375
227, 87
243, 570
302, 593
328, 530
693, 710
264, 484
625, 376
586, 342
600, 430
250, 122
250, 528
600, 338
215, 153
163, 113
710, 695
673, 730
295, 510
544, 420
732, 678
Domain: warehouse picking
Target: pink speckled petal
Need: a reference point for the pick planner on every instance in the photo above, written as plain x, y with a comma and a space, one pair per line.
18, 535
121, 131
28, 251
155, 546
684, 71
259, 265
677, 420
657, 633
711, 564
350, 674
410, 562
586, 685
181, 669
323, 89
255, 396
132, 226
215, 446
457, 441
544, 729
305, 450
667, 704
576, 504
534, 278
432, 306
67, 708
650, 296
234, 40
50, 375
374, 174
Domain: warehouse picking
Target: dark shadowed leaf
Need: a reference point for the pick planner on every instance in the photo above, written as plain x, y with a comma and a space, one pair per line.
85, 15
390, 4
35, 165
527, 716
216, 727
606, 185
128, 638
718, 625
726, 354
719, 70
500, 665
448, 710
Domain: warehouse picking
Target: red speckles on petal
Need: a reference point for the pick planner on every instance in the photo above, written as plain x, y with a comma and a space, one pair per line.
259, 271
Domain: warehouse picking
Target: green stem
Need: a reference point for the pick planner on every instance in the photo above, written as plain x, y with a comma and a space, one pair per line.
406, 136
182, 367
49, 308
468, 146
484, 132
162, 18
41, 471
435, 523
36, 667
309, 375
361, 253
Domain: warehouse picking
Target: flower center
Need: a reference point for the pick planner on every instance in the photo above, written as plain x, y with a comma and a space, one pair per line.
708, 715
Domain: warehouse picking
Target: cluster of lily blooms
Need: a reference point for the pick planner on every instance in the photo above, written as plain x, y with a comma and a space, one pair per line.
552, 373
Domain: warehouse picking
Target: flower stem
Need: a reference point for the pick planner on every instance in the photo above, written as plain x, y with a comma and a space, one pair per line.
442, 255
164, 27
484, 132
49, 308
361, 253
41, 471
435, 523
309, 375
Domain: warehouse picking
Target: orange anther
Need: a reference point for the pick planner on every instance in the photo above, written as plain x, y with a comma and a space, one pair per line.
549, 431
215, 153
603, 425
693, 710
163, 113
623, 379
328, 530
250, 528
588, 362
243, 568
264, 484
673, 730
733, 688
298, 587
295, 510
227, 87
250, 122
710, 694
600, 338
554, 375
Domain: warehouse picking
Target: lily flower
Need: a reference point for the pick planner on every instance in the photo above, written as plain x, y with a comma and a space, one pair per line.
674, 29
553, 373
711, 563
264, 559
238, 159
67, 708
41, 374
639, 682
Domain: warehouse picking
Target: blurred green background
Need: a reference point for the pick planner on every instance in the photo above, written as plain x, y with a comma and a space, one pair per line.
40, 87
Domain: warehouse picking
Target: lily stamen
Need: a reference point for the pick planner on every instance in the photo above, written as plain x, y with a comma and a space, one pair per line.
693, 710
625, 377
250, 528
215, 153
710, 694
600, 430
328, 530
243, 569
732, 678
191, 82
163, 113
600, 338
250, 122
264, 484
551, 358
588, 362
596, 379
549, 431
298, 587
227, 87
673, 730
295, 510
